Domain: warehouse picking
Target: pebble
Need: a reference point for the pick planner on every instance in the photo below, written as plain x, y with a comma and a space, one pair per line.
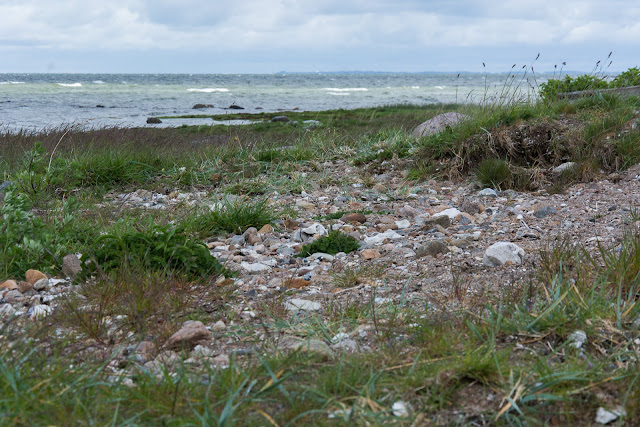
433, 248
545, 212
189, 335
370, 254
488, 192
296, 304
33, 276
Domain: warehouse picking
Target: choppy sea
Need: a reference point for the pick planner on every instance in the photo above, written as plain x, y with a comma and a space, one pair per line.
39, 101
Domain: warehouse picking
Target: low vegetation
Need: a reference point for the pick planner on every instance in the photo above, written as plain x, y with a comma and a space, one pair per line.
515, 358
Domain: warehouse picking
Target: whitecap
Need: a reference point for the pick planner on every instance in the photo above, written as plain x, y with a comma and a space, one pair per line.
98, 82
70, 84
439, 87
415, 87
339, 93
209, 90
346, 89
11, 83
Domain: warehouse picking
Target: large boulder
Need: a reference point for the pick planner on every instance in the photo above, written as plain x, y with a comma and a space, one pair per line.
439, 123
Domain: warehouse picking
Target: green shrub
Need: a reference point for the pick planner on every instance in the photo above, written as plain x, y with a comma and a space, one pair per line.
335, 242
494, 173
550, 90
26, 241
154, 247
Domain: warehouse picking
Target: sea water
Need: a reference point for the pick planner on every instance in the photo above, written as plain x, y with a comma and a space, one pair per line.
40, 101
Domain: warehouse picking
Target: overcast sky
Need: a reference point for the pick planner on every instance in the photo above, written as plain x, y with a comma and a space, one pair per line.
265, 36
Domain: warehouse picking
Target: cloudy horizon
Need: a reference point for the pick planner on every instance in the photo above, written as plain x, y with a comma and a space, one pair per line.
251, 36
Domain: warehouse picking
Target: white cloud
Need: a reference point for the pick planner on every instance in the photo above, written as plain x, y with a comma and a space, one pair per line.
257, 26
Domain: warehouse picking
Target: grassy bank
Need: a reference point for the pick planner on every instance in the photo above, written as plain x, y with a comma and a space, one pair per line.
517, 357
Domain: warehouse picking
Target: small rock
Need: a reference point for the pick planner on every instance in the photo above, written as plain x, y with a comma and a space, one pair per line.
38, 312
381, 237
9, 285
191, 333
13, 297
41, 285
403, 224
297, 283
304, 204
452, 213
237, 240
153, 120
503, 252
400, 409
6, 311
438, 124
577, 338
25, 287
354, 217
254, 267
235, 107
71, 265
296, 304
432, 248
544, 212
200, 106
314, 229
219, 326
471, 207
563, 167
145, 350
605, 416
488, 192
266, 229
442, 220
283, 119
33, 276
309, 346
369, 254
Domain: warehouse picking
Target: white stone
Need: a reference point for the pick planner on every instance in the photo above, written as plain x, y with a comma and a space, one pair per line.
39, 312
381, 237
403, 224
321, 255
577, 339
400, 409
488, 192
605, 416
315, 229
339, 337
254, 267
296, 304
503, 252
452, 213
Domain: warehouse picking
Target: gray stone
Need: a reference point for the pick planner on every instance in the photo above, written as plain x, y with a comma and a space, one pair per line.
200, 106
41, 285
71, 266
488, 192
606, 416
283, 119
12, 297
544, 212
432, 249
6, 311
442, 220
255, 267
438, 123
501, 253
309, 346
153, 120
237, 240
296, 304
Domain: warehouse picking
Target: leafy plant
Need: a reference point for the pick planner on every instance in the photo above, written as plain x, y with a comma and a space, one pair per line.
26, 241
336, 241
154, 247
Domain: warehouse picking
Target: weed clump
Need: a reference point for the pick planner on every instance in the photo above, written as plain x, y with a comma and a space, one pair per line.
336, 241
232, 217
494, 173
154, 247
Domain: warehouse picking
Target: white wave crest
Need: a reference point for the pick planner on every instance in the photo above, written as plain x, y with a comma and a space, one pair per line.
339, 93
70, 84
415, 87
98, 82
209, 90
346, 89
439, 87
